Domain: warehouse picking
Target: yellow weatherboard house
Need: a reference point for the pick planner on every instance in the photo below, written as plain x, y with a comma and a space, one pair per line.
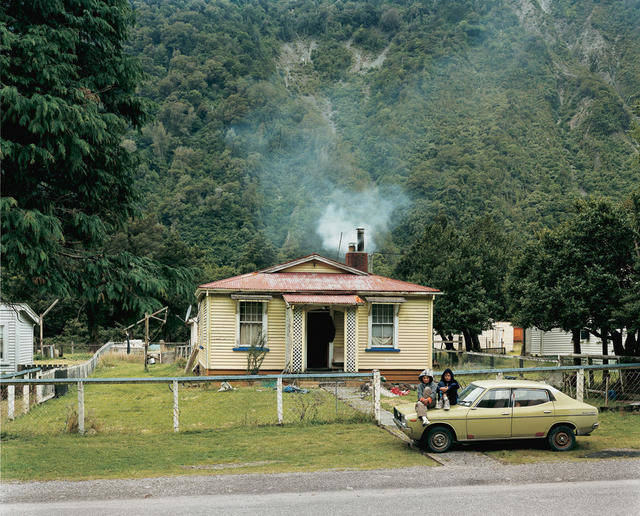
317, 314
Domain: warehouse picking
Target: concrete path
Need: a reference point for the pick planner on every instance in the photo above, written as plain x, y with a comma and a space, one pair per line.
353, 397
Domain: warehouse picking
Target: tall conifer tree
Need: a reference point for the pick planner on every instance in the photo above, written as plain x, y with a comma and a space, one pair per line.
67, 97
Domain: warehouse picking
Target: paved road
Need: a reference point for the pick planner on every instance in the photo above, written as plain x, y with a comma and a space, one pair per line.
596, 497
595, 487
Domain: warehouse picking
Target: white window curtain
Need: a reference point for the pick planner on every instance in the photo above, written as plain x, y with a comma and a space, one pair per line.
250, 322
382, 325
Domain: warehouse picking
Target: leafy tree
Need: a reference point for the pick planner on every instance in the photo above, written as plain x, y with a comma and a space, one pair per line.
543, 292
581, 275
469, 267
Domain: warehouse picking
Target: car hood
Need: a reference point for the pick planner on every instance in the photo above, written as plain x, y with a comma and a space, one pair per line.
409, 412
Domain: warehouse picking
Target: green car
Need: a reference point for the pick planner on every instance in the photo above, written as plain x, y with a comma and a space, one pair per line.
502, 409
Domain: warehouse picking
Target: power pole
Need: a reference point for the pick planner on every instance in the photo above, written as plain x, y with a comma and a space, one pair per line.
147, 317
41, 322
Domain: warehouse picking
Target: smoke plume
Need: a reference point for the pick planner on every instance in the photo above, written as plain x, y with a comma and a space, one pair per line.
371, 209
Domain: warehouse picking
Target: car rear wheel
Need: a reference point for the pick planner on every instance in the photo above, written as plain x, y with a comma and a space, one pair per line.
562, 438
439, 439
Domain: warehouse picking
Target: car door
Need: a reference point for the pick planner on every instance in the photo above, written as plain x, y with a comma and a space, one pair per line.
490, 417
532, 412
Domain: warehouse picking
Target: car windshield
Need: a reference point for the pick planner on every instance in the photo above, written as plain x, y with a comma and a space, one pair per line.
469, 395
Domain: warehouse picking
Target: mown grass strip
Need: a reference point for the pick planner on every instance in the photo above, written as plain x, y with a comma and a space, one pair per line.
235, 450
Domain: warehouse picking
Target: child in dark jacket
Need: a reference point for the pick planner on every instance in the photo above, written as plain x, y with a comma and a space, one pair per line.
447, 390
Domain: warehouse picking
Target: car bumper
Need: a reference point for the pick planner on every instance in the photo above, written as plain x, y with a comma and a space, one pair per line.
587, 430
401, 425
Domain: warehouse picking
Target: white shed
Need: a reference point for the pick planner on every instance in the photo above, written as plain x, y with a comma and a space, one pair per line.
193, 331
500, 335
16, 336
558, 342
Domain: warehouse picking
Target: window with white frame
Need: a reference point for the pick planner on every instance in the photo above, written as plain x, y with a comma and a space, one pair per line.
251, 321
382, 325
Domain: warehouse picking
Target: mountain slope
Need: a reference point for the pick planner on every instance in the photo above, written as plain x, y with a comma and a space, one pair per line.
281, 124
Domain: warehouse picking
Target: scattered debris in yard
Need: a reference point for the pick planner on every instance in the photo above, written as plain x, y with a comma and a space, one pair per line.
293, 388
399, 392
226, 386
387, 393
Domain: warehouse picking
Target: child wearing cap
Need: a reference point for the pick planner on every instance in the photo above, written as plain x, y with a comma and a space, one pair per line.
426, 395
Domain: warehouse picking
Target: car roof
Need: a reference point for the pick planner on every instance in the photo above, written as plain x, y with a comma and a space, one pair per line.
511, 383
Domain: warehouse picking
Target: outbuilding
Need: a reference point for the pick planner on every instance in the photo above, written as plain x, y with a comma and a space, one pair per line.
17, 321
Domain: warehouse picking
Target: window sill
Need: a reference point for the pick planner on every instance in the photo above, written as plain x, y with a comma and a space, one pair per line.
382, 350
247, 348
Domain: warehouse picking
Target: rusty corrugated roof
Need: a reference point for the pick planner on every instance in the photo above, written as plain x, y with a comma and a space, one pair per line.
322, 299
311, 282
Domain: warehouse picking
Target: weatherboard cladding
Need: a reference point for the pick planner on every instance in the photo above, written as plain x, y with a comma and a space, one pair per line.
322, 299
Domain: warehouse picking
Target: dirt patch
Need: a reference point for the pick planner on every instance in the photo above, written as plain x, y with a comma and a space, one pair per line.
581, 112
293, 57
362, 61
607, 454
231, 466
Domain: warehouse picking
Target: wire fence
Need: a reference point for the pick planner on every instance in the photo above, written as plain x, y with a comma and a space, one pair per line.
119, 405
157, 405
464, 360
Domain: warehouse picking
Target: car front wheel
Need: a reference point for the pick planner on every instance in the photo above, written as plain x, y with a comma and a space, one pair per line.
439, 439
561, 438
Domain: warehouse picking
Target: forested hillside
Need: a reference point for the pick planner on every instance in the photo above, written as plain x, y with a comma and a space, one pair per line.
279, 124
214, 137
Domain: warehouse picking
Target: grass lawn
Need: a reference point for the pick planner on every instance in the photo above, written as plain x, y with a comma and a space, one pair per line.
249, 449
130, 432
68, 358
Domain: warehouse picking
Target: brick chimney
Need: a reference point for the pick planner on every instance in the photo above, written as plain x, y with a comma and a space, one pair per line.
358, 259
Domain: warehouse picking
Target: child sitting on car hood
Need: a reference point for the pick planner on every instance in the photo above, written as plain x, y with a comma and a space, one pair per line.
447, 390
426, 395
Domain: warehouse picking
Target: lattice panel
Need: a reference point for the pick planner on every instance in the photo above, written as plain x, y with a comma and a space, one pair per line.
287, 349
350, 343
202, 323
298, 339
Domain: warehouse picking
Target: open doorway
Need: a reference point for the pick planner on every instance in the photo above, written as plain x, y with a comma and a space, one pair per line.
320, 332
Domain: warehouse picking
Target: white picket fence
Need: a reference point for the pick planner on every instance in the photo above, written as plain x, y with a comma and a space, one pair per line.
45, 392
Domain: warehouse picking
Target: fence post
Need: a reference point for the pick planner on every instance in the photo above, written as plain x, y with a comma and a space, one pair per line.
25, 399
11, 402
279, 398
580, 385
80, 408
39, 389
176, 408
376, 395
